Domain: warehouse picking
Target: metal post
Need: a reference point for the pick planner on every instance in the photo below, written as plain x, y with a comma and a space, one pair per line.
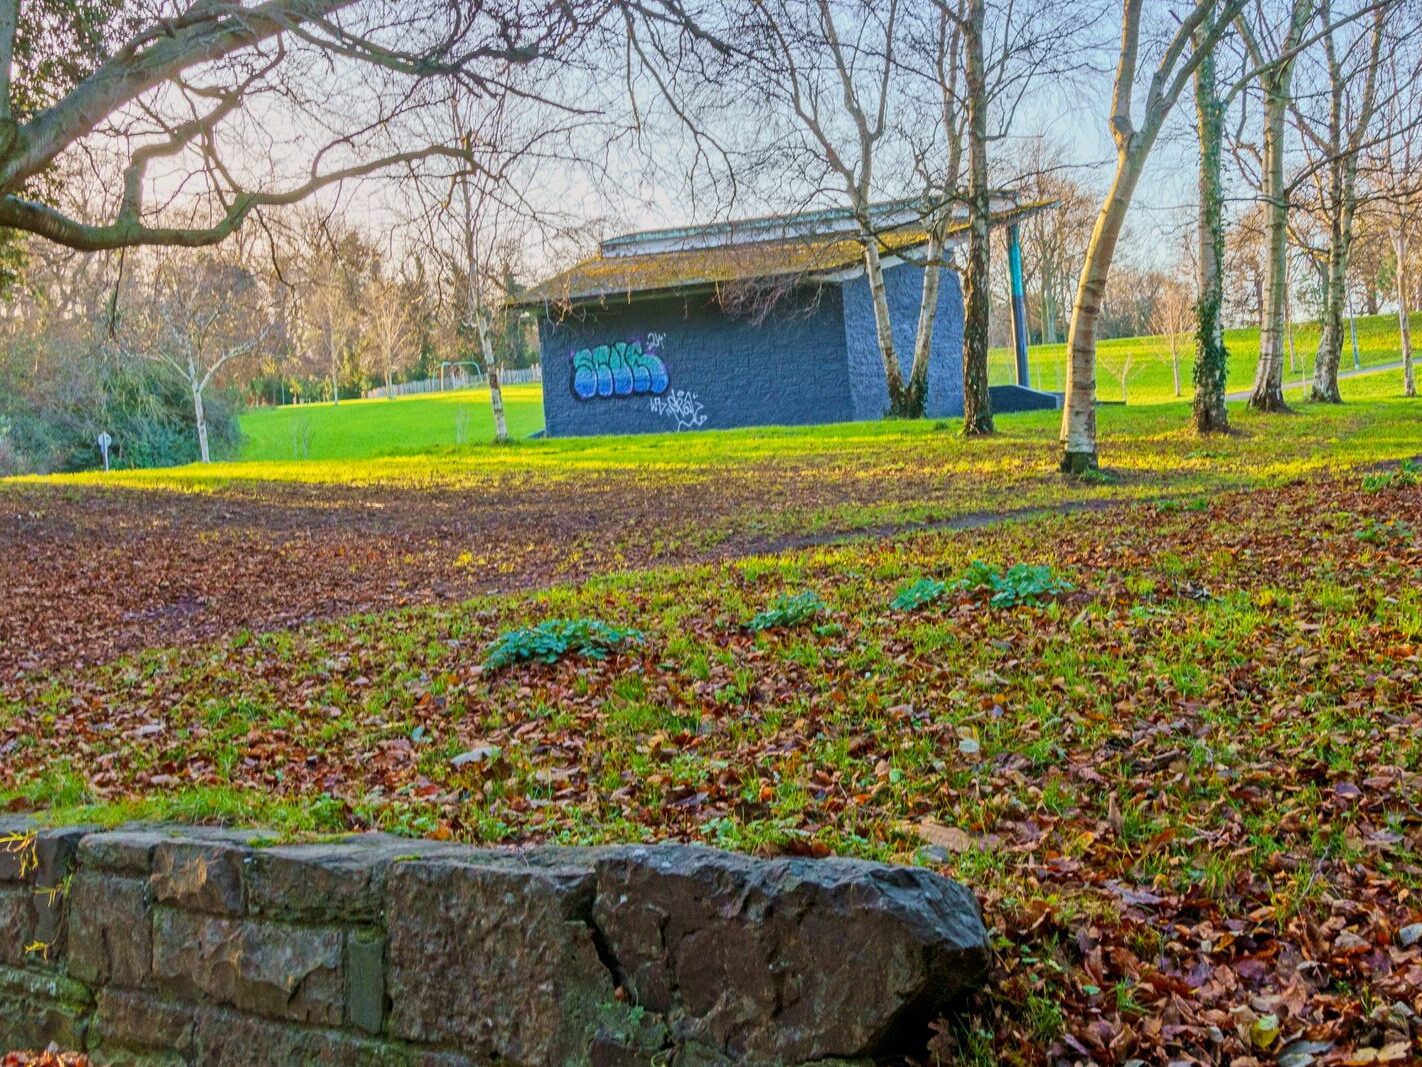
1019, 305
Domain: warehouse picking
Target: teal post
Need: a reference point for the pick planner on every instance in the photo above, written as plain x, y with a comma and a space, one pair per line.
1019, 305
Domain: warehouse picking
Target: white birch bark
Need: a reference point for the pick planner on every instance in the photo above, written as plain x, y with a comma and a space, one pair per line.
1404, 310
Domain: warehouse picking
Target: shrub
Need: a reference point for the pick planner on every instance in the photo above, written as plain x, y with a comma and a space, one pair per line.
553, 639
788, 611
51, 424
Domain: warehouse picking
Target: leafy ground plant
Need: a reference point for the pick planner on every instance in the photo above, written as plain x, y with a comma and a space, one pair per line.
788, 611
552, 639
1379, 533
915, 595
1408, 474
1022, 583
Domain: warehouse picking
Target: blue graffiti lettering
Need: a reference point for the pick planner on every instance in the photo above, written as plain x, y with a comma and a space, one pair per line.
620, 369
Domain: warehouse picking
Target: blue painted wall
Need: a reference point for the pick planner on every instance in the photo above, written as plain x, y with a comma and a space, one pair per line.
809, 361
903, 284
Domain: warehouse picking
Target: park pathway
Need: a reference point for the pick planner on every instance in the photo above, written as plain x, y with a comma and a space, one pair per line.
1243, 394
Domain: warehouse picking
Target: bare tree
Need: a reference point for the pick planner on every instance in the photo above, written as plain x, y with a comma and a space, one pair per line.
1349, 88
171, 88
1275, 50
1211, 369
977, 298
838, 89
1185, 46
389, 324
472, 211
1395, 169
1175, 308
196, 318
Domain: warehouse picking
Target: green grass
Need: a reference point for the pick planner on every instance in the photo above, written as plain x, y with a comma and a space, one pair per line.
460, 424
361, 429
1145, 443
1150, 380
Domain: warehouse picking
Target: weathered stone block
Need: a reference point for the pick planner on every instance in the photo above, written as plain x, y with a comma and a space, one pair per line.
283, 972
199, 876
36, 1009
495, 956
129, 1025
17, 852
128, 850
111, 929
49, 849
365, 979
792, 960
341, 880
16, 923
420, 953
32, 888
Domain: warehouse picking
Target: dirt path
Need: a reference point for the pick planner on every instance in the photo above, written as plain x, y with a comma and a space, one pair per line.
1244, 394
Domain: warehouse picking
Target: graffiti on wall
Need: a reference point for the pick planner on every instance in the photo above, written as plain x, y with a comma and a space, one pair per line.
621, 369
683, 406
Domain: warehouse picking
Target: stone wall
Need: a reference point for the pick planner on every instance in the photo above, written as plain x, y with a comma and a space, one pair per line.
165, 945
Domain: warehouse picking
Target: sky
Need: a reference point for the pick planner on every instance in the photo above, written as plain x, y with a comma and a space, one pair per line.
629, 181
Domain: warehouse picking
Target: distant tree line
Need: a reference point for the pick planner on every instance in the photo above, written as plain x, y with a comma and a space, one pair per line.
493, 122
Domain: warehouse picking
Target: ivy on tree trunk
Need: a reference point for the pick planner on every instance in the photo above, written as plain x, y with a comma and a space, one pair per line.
1211, 357
977, 400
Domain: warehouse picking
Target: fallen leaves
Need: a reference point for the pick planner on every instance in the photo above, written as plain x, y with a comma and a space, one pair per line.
1191, 821
947, 837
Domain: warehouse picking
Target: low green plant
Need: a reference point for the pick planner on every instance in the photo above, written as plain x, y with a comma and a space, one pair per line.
1382, 533
1166, 507
788, 611
1408, 474
553, 639
915, 595
1022, 583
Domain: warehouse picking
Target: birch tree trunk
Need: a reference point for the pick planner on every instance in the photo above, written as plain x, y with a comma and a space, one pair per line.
1211, 359
1079, 408
1276, 81
1324, 388
1341, 147
496, 390
199, 413
927, 317
1404, 311
1198, 32
977, 300
1268, 393
884, 329
1289, 330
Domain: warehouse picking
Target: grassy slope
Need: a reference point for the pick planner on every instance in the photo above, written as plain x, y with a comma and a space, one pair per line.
1150, 379
1149, 445
359, 429
1204, 755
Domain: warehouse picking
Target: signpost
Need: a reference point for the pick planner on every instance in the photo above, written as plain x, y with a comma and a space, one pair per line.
104, 441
